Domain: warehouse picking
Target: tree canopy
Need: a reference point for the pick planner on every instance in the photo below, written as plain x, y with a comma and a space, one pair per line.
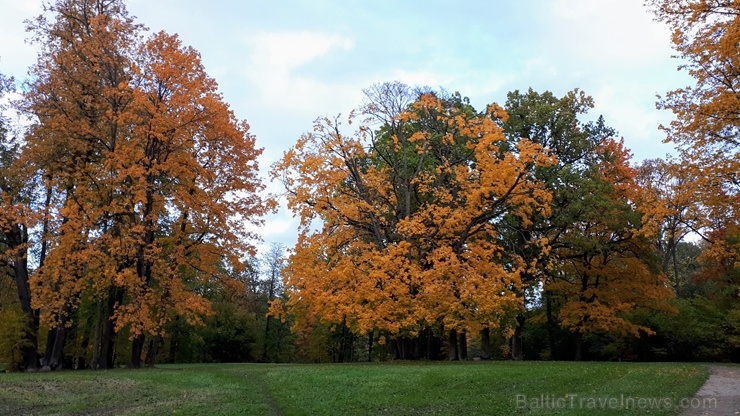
130, 207
408, 217
152, 178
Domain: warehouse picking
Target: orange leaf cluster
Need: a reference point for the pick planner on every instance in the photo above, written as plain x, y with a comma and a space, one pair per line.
406, 236
149, 170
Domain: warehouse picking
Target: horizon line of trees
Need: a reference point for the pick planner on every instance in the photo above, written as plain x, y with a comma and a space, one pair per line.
428, 229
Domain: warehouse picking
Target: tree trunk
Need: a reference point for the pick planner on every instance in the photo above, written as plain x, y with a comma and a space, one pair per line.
30, 315
152, 351
462, 349
50, 337
485, 343
56, 356
98, 339
452, 354
579, 346
107, 343
137, 348
370, 341
517, 344
551, 324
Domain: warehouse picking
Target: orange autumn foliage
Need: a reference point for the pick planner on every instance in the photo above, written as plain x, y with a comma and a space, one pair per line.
707, 115
154, 177
398, 230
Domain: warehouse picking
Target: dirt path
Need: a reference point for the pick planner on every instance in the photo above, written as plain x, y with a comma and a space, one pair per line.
720, 395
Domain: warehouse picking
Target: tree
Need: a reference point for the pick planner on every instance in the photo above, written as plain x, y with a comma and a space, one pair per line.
589, 253
17, 185
607, 268
272, 261
150, 166
408, 220
672, 189
554, 124
707, 115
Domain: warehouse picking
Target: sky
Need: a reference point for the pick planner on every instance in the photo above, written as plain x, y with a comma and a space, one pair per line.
281, 64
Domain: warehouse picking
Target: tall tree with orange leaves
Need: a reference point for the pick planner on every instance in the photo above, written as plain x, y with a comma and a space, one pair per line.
706, 127
407, 220
150, 169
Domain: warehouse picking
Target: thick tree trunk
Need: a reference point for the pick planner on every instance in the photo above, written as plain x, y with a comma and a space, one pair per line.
579, 346
55, 360
107, 342
433, 345
56, 340
153, 350
370, 341
50, 336
452, 353
462, 340
517, 343
402, 348
485, 344
98, 339
137, 348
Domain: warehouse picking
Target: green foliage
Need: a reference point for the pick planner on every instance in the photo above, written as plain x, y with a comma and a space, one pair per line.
183, 344
229, 335
12, 330
703, 330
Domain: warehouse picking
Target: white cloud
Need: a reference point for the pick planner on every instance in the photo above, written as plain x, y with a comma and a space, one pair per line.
274, 61
282, 52
16, 55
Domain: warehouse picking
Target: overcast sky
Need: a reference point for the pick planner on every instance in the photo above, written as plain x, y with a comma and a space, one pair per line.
280, 64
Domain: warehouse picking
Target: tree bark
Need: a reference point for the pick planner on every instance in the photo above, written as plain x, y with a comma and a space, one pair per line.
452, 354
56, 356
153, 350
579, 346
30, 315
462, 340
137, 348
485, 343
517, 344
107, 343
97, 340
551, 325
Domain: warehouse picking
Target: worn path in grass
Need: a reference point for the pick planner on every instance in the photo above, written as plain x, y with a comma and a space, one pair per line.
720, 395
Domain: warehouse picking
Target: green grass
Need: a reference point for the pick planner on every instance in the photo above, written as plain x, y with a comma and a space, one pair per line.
481, 388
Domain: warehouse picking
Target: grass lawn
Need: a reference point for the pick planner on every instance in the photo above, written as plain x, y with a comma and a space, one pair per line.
473, 388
